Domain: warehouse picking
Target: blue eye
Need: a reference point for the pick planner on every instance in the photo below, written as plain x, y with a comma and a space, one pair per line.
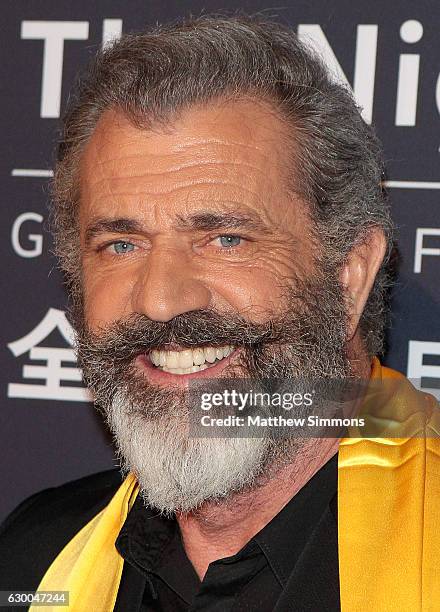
122, 247
229, 241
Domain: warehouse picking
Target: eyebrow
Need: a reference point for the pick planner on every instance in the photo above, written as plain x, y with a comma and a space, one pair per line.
112, 226
202, 221
227, 220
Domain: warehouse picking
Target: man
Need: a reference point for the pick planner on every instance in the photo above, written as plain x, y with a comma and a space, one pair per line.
219, 213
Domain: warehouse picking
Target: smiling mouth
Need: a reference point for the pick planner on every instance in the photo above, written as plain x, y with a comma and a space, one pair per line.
188, 361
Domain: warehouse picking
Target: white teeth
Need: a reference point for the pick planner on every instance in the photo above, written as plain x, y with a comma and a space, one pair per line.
154, 356
188, 361
185, 358
172, 359
210, 354
198, 356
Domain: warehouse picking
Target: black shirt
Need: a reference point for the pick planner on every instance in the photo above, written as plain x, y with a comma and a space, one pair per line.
269, 573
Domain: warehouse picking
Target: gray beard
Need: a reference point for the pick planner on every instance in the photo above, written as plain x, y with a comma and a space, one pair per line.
179, 473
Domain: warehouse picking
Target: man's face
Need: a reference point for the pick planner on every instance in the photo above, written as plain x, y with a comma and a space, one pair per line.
196, 262
196, 218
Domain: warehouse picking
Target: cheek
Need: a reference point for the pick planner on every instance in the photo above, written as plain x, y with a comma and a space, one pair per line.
253, 292
107, 298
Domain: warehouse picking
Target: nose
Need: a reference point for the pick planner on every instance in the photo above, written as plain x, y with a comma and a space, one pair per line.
168, 287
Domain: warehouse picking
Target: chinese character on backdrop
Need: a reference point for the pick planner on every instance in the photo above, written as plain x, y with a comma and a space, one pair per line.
54, 371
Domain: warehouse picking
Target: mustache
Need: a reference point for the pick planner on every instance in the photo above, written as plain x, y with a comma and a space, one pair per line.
306, 338
127, 338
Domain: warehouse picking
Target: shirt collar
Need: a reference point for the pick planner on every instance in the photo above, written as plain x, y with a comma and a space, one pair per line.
284, 538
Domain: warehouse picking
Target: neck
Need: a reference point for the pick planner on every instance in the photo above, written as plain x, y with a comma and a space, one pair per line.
221, 529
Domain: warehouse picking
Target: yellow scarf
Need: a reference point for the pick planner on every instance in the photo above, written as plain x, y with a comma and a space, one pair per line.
389, 522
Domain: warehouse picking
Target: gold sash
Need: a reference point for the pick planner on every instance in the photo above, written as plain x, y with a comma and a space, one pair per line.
389, 523
89, 566
389, 507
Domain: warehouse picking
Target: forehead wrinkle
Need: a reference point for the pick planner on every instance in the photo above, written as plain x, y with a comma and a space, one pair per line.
182, 146
194, 173
111, 195
200, 158
108, 182
187, 142
182, 167
176, 189
121, 140
196, 145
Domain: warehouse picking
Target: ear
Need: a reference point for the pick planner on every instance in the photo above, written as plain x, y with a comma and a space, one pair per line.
358, 274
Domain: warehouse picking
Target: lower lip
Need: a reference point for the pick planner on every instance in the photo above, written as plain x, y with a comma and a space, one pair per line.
160, 377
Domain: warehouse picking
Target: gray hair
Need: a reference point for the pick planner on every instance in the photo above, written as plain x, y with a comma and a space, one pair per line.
335, 157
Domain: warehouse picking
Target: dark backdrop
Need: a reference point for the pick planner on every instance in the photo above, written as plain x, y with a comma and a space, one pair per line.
389, 54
